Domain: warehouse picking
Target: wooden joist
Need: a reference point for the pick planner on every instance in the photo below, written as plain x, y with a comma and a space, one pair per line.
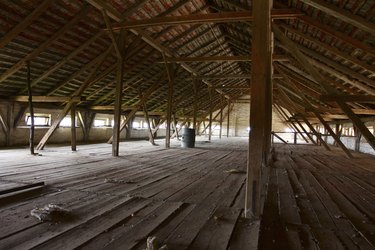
342, 14
205, 18
221, 59
42, 7
48, 98
347, 98
339, 111
303, 60
77, 17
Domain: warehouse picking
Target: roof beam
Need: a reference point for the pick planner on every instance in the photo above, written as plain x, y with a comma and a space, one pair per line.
338, 70
338, 35
25, 98
76, 18
339, 111
222, 17
330, 49
347, 98
221, 59
342, 14
40, 9
65, 59
118, 17
302, 59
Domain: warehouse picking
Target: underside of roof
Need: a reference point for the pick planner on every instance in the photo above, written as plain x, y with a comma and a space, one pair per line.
200, 45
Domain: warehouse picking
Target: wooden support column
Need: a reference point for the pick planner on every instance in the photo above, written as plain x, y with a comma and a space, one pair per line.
316, 133
221, 120
174, 123
4, 126
210, 122
195, 107
89, 81
86, 119
338, 132
278, 137
308, 105
169, 104
358, 136
73, 127
307, 134
31, 109
118, 95
228, 118
294, 127
155, 130
303, 60
261, 77
147, 118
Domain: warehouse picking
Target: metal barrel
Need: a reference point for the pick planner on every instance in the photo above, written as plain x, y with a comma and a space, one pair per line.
188, 138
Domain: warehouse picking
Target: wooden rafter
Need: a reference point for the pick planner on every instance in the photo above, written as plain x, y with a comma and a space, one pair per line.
223, 17
315, 74
77, 17
42, 7
342, 14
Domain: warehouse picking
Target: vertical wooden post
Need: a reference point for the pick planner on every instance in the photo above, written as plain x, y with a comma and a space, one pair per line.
260, 78
147, 118
221, 120
210, 122
295, 138
73, 127
195, 107
293, 126
169, 104
358, 136
118, 97
174, 123
228, 118
31, 109
307, 134
315, 132
338, 133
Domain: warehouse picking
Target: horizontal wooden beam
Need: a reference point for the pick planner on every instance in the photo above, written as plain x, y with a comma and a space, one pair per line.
342, 14
221, 17
339, 111
347, 98
220, 59
25, 98
125, 108
233, 87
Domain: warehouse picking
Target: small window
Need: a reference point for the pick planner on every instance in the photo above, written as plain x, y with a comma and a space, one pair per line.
136, 124
39, 119
100, 122
66, 122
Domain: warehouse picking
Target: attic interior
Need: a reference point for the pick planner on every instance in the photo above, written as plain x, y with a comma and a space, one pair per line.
97, 97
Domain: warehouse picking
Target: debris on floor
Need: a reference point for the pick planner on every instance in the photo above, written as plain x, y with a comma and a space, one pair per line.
153, 244
118, 181
51, 212
235, 171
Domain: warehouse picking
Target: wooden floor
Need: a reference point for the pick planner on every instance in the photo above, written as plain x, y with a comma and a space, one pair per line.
319, 200
187, 198
184, 197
